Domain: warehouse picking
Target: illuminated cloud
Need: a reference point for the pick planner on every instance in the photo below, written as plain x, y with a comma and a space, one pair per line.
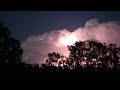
36, 48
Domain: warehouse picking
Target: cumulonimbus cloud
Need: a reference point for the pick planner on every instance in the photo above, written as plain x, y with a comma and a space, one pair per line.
36, 48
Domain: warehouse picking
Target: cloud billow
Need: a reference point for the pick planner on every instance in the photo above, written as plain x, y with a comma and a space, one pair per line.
36, 48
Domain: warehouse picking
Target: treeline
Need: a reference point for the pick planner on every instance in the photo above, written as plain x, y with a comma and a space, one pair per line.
87, 60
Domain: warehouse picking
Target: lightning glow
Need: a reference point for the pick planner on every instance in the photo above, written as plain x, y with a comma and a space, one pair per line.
69, 39
36, 48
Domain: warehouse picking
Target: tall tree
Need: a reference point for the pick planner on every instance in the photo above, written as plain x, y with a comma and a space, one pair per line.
10, 51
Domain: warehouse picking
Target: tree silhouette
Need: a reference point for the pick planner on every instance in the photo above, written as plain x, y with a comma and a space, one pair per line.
95, 54
88, 54
10, 51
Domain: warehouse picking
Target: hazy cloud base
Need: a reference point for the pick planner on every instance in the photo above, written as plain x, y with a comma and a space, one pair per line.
36, 48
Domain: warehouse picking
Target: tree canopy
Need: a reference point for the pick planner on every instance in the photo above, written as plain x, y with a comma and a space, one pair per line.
89, 53
10, 51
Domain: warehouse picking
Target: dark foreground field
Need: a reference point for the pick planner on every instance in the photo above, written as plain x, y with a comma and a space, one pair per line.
60, 75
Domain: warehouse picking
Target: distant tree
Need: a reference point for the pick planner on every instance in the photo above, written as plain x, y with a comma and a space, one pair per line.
36, 67
10, 51
52, 58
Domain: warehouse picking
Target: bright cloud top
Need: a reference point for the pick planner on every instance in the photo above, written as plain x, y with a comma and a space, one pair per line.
36, 48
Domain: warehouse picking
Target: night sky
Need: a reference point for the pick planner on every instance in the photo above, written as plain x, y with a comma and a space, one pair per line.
23, 24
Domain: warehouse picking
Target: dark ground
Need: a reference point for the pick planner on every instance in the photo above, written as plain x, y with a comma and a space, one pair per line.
57, 75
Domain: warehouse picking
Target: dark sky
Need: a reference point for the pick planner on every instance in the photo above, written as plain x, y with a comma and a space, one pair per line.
23, 24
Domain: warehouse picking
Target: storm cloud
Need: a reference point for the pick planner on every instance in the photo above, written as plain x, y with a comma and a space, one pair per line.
36, 48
